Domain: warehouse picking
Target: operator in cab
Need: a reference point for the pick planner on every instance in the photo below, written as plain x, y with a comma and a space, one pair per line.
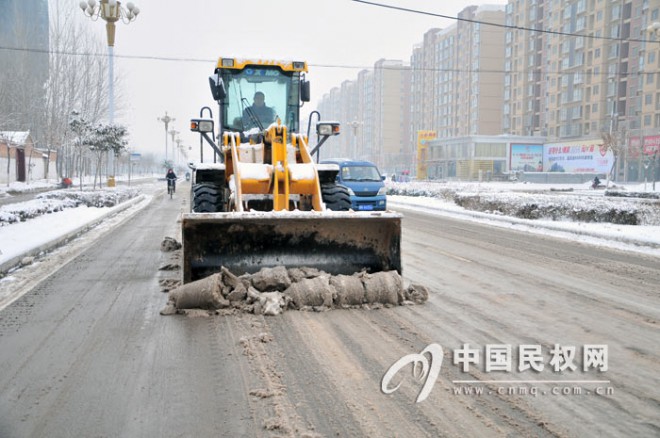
265, 114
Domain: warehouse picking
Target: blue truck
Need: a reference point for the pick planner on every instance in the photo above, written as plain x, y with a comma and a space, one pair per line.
364, 182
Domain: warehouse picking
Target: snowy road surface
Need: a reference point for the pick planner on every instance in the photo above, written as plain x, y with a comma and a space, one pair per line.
86, 353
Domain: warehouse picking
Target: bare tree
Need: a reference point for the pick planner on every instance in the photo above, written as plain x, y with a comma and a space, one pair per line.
77, 81
76, 77
614, 141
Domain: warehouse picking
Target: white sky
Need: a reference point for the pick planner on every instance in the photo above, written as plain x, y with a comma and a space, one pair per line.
327, 34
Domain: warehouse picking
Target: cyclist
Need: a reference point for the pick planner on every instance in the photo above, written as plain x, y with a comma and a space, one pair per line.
171, 179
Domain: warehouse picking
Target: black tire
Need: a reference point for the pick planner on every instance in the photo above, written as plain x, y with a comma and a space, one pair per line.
336, 197
207, 198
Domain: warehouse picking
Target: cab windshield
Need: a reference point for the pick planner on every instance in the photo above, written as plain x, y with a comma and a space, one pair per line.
258, 95
360, 173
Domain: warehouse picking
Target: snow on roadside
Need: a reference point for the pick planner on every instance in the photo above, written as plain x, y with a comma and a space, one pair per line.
21, 237
562, 202
58, 200
642, 239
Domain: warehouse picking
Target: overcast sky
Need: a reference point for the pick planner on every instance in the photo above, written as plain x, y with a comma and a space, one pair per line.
328, 34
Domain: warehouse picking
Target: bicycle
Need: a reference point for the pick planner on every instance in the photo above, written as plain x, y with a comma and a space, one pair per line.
170, 187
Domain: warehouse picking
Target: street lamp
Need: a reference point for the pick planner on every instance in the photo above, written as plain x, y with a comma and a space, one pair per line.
355, 124
178, 149
173, 133
110, 11
166, 120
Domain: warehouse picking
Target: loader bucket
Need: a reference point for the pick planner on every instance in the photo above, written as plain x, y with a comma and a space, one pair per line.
335, 242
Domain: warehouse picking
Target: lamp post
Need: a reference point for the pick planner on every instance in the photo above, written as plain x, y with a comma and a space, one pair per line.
355, 124
178, 149
166, 120
173, 133
110, 11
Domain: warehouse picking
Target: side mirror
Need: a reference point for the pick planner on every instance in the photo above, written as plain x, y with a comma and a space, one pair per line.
305, 94
383, 177
217, 87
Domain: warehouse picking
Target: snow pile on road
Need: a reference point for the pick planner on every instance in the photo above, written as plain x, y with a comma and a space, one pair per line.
274, 290
530, 202
58, 200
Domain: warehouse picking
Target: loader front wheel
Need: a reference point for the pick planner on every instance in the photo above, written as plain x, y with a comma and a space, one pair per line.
207, 198
336, 197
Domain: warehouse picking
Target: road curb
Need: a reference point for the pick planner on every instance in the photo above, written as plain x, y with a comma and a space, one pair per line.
10, 264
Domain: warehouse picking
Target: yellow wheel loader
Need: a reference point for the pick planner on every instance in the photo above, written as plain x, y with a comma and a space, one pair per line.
263, 201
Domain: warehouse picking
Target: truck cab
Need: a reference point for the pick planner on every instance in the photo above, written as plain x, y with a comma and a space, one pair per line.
364, 182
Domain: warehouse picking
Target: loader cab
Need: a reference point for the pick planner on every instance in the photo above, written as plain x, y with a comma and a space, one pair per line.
364, 181
280, 86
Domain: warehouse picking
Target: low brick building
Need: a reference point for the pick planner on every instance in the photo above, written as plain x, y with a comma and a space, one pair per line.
21, 161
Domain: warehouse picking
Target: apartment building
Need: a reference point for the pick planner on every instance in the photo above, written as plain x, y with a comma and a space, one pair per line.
374, 114
24, 36
593, 69
466, 75
562, 70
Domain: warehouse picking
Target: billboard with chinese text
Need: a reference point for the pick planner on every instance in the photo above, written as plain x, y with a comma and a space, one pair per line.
651, 146
527, 157
586, 156
423, 137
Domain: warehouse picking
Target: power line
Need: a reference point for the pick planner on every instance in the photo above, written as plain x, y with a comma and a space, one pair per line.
506, 26
95, 55
535, 71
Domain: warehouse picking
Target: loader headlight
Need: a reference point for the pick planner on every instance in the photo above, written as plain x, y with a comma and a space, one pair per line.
327, 128
201, 125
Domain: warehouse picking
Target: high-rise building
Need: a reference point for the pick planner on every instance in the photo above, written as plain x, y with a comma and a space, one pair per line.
374, 113
459, 91
24, 58
591, 67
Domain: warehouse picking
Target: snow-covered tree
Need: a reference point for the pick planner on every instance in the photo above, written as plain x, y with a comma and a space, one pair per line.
105, 140
80, 129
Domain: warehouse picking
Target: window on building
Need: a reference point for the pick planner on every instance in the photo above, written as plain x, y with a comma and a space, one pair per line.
577, 94
611, 70
614, 31
648, 99
611, 88
578, 59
